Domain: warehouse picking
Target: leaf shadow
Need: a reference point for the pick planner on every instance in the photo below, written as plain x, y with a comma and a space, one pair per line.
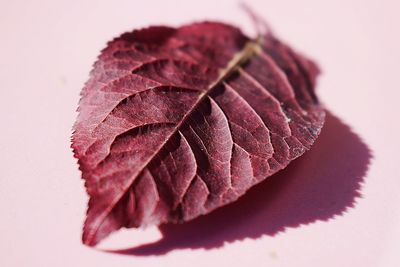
320, 185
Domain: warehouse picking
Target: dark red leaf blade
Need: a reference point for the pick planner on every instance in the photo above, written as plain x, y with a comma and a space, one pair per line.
174, 123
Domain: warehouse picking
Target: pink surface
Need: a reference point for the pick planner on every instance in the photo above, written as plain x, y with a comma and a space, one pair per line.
336, 206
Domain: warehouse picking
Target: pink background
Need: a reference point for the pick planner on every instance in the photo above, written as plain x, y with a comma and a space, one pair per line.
307, 218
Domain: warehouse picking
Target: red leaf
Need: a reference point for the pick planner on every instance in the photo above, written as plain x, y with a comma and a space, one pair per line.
174, 123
